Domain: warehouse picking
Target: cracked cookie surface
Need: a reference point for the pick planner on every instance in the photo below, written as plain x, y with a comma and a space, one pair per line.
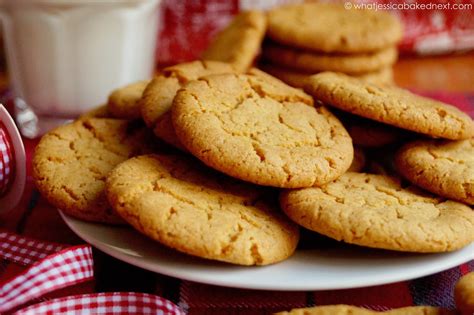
239, 43
376, 211
256, 128
445, 168
123, 102
332, 28
182, 204
391, 105
160, 92
71, 163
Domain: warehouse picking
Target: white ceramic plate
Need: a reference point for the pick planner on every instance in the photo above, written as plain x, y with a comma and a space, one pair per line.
324, 269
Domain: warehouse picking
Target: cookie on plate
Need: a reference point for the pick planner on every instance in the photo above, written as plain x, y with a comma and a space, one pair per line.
256, 128
124, 102
300, 79
376, 211
445, 168
160, 92
239, 43
331, 28
182, 204
464, 294
353, 310
391, 105
307, 61
71, 163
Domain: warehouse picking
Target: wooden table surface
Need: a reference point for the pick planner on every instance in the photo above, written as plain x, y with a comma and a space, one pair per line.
442, 73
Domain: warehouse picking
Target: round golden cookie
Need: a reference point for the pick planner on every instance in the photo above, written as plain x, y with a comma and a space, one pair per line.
160, 92
182, 204
71, 163
124, 102
239, 43
464, 294
353, 310
376, 211
300, 79
331, 28
99, 112
444, 167
256, 128
391, 105
307, 61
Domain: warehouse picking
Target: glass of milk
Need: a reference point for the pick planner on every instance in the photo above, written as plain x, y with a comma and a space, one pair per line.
65, 56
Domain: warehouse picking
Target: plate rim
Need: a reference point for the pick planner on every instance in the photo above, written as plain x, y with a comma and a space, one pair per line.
306, 286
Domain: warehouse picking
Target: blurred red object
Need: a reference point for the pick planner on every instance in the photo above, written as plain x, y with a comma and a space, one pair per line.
189, 25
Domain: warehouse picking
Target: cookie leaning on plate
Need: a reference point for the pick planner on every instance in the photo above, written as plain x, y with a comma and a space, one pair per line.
376, 211
239, 43
391, 105
445, 168
256, 128
353, 310
332, 28
71, 163
182, 204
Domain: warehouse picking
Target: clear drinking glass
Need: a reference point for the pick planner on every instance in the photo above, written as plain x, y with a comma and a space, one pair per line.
65, 56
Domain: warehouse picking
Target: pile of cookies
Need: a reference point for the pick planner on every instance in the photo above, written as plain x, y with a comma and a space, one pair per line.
308, 38
223, 161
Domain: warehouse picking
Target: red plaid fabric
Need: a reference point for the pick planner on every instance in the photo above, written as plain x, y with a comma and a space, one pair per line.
24, 250
6, 161
105, 303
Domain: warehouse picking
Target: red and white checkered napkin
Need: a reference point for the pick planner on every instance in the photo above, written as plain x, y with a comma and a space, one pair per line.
55, 266
105, 303
7, 161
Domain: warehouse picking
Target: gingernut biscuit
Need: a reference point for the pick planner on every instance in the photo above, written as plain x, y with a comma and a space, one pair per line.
184, 205
307, 61
464, 294
123, 103
160, 92
256, 128
376, 211
445, 168
71, 163
391, 105
353, 310
99, 112
299, 79
331, 28
239, 43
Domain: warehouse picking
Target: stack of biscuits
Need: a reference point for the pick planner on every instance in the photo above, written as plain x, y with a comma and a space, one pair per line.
306, 39
223, 161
